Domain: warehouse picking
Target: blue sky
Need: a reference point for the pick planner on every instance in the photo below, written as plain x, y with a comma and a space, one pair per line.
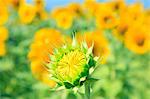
54, 3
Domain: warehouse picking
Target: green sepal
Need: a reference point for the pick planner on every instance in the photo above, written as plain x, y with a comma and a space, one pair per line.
85, 71
76, 82
68, 85
92, 62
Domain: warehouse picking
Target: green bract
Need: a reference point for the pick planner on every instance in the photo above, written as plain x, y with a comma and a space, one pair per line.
71, 64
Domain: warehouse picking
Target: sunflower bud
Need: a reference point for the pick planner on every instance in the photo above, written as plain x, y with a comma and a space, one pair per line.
71, 64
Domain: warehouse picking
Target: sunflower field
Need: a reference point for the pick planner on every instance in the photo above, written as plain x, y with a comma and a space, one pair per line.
88, 50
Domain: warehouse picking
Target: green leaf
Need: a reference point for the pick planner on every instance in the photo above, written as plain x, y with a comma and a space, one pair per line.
92, 62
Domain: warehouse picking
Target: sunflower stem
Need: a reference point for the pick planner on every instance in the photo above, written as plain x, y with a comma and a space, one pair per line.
87, 89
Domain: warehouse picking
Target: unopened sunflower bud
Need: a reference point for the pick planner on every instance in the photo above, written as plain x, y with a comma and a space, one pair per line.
71, 63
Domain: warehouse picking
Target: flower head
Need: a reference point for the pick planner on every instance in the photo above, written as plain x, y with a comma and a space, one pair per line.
15, 3
91, 6
70, 65
122, 27
26, 13
117, 6
63, 17
135, 11
40, 4
105, 19
45, 41
137, 39
76, 8
40, 8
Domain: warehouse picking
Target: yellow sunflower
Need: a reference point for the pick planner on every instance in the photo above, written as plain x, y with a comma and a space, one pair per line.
45, 41
76, 8
40, 8
100, 44
43, 15
41, 73
91, 6
15, 3
137, 39
117, 6
135, 11
122, 27
63, 17
3, 13
40, 4
27, 12
105, 18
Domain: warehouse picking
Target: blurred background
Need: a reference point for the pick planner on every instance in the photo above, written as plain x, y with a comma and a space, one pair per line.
119, 29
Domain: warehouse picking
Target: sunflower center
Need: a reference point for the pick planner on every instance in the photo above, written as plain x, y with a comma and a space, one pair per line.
123, 30
38, 2
140, 42
107, 19
116, 7
77, 11
71, 65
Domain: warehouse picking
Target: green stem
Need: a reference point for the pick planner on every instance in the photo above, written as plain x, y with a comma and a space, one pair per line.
87, 89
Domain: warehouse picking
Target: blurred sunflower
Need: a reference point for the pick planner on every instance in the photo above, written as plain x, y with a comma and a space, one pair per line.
137, 39
63, 17
40, 4
45, 41
40, 8
3, 13
41, 73
77, 9
27, 12
135, 11
117, 5
3, 38
43, 15
122, 27
101, 47
105, 18
91, 6
14, 3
